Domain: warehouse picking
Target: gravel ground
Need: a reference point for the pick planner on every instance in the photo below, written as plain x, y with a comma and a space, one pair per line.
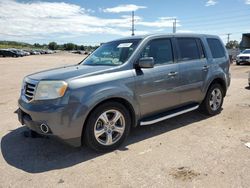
191, 150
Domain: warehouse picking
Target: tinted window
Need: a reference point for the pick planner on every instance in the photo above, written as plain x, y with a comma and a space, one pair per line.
188, 49
201, 48
160, 50
216, 48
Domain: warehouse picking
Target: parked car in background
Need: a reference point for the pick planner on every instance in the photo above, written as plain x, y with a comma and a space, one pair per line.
26, 52
125, 83
243, 57
42, 51
48, 51
17, 51
77, 52
80, 52
9, 53
34, 52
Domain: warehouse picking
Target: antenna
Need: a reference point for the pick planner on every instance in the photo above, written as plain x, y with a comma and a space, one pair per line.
133, 23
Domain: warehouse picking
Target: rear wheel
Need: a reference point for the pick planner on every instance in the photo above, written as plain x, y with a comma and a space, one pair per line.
237, 63
107, 127
213, 100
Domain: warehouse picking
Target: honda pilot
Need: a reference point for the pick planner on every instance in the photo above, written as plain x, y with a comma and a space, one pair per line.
135, 81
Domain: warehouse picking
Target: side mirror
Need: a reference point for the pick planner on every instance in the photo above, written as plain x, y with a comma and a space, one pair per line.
146, 62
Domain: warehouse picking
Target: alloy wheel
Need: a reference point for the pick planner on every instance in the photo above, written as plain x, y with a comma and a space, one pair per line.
109, 127
215, 99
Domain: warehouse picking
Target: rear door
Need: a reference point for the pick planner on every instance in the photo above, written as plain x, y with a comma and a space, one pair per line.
193, 68
156, 87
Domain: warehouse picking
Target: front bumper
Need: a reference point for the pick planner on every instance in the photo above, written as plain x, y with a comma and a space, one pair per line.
63, 121
243, 60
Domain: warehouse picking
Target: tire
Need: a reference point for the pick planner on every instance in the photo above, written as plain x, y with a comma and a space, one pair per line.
101, 133
213, 101
237, 63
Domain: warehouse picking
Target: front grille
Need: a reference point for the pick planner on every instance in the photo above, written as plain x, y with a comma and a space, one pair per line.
29, 91
244, 58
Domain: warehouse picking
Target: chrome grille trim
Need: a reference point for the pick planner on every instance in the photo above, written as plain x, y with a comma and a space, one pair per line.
244, 57
29, 89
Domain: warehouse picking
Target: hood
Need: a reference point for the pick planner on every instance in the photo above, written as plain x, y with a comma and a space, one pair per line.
69, 72
243, 55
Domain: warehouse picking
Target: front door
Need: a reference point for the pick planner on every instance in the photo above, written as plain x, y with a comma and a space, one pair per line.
156, 87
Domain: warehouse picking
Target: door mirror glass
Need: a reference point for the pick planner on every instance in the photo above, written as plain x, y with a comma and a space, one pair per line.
146, 62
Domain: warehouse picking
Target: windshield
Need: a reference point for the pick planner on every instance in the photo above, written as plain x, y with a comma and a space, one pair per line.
246, 52
112, 53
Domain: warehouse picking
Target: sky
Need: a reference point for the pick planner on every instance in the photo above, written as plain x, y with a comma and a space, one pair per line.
91, 22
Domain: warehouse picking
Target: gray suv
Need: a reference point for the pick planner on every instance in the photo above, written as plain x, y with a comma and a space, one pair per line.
125, 83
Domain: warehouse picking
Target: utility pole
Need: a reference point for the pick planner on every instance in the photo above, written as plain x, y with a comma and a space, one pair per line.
133, 23
174, 26
228, 37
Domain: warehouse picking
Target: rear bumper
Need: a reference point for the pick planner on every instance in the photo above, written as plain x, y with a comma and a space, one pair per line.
60, 119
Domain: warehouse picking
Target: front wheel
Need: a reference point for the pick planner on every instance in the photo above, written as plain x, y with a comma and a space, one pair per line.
107, 127
213, 101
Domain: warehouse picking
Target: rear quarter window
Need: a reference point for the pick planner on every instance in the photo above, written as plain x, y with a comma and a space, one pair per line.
216, 48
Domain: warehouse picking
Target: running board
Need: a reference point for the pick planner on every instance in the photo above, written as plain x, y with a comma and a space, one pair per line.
168, 116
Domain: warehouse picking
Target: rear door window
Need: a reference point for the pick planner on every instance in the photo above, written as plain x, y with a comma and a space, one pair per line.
201, 48
188, 49
216, 48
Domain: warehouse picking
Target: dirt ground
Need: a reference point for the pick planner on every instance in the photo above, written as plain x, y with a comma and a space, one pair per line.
191, 150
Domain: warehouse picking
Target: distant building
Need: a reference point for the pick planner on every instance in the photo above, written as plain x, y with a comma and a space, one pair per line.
245, 42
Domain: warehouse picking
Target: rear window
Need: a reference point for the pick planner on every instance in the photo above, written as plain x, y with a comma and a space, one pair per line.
189, 49
216, 48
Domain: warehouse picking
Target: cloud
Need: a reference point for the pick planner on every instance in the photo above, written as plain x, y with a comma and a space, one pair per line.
247, 2
161, 22
45, 21
211, 3
123, 8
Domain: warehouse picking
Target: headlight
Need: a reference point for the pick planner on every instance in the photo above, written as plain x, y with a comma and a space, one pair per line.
50, 90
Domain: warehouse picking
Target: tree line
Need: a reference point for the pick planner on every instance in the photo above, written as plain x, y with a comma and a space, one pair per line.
70, 46
233, 44
51, 46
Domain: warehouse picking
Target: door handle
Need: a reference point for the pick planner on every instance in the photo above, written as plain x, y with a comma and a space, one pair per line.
205, 67
172, 74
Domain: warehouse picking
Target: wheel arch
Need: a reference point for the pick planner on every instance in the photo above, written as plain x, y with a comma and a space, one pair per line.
220, 81
120, 100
